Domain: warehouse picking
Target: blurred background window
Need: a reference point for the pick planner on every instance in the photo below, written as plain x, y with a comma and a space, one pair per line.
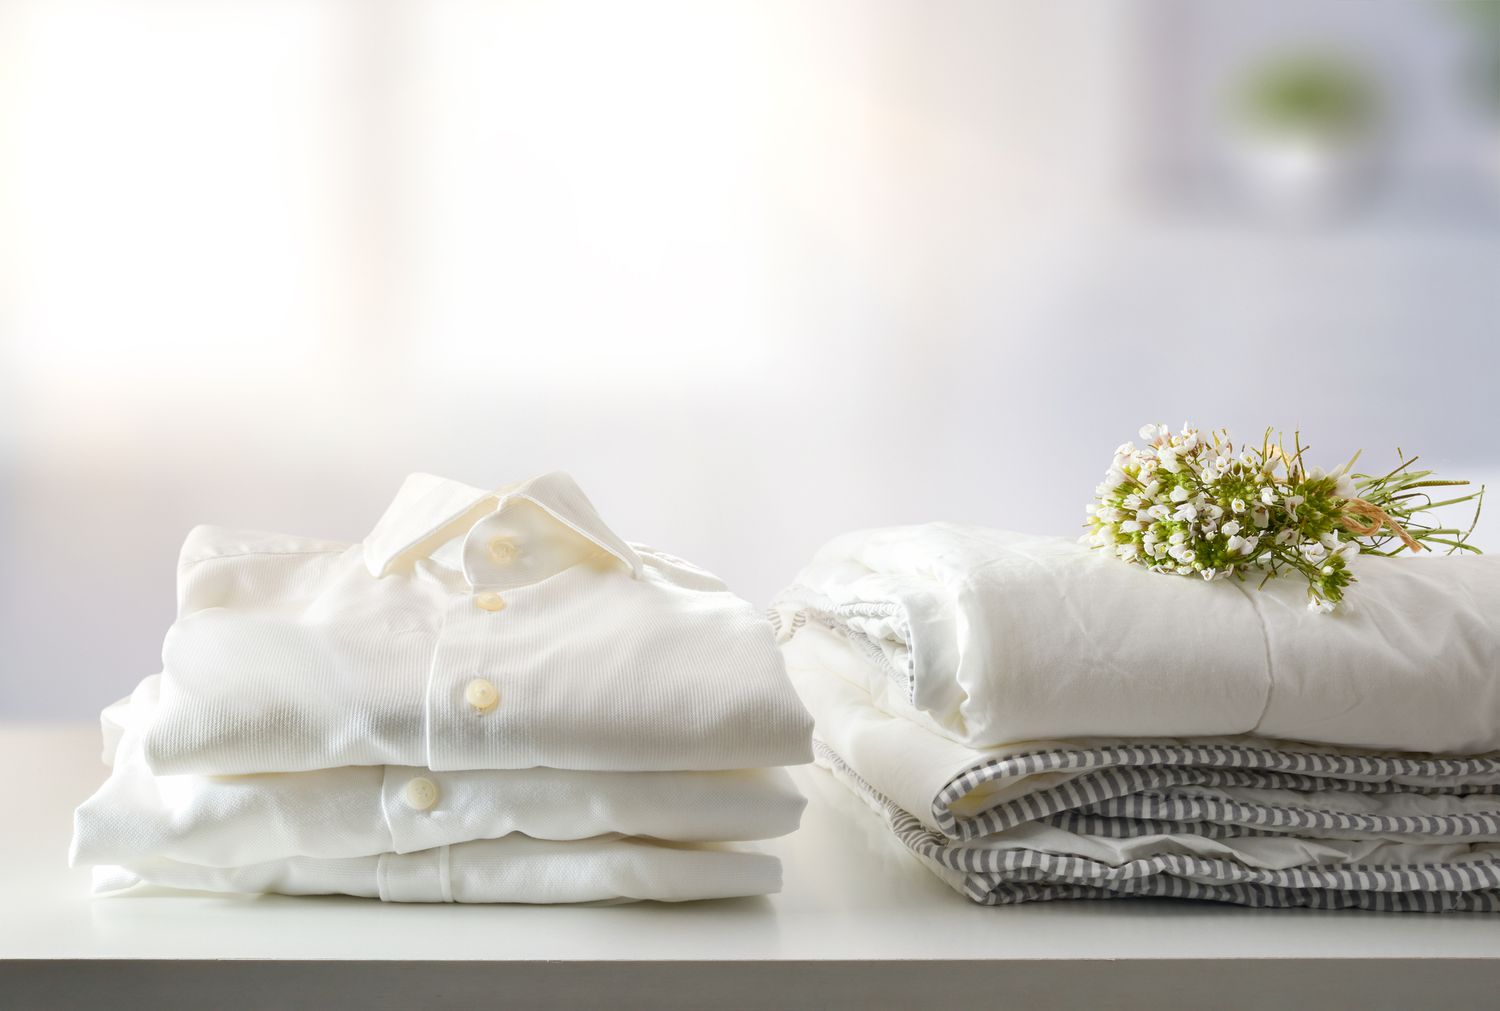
754, 272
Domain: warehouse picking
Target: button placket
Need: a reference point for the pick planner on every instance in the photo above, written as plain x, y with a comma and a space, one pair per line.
473, 696
480, 693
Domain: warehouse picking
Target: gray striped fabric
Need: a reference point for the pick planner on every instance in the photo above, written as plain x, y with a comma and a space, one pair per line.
1127, 792
1124, 777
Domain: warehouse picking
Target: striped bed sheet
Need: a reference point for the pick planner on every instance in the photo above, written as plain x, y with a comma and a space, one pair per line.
1037, 846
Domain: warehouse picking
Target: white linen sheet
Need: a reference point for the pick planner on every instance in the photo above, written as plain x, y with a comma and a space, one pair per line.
1238, 819
989, 638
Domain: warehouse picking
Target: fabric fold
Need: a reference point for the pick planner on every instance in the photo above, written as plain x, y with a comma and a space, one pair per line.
999, 637
224, 821
290, 656
492, 698
1242, 819
511, 869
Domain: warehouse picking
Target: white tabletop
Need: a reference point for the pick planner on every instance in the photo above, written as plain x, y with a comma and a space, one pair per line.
856, 906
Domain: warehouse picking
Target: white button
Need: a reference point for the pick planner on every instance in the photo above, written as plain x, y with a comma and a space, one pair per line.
482, 695
489, 600
421, 793
504, 550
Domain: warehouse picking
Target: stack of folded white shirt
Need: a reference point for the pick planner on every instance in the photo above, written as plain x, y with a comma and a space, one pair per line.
492, 698
1038, 721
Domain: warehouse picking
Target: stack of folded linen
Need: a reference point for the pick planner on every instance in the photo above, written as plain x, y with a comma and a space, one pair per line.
1038, 721
492, 698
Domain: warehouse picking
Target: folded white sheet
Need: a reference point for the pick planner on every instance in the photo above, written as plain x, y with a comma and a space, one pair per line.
227, 821
513, 869
1244, 819
991, 638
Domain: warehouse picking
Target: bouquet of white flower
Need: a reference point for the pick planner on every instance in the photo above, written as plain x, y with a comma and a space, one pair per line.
1187, 503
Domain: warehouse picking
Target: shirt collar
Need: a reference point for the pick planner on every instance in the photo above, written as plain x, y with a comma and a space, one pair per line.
429, 510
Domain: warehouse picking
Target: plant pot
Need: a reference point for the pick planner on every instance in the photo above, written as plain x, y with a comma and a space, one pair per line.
1303, 177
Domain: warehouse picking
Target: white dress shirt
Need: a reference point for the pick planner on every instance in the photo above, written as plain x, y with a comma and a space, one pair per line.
513, 869
355, 811
470, 630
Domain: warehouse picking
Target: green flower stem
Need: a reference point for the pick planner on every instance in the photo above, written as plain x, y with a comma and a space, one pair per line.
1187, 504
1456, 544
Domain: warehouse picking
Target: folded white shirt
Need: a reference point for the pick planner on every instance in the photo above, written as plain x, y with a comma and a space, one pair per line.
352, 811
991, 638
513, 869
469, 630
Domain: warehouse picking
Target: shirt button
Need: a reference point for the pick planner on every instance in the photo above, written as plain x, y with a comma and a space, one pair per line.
489, 600
421, 793
482, 695
503, 550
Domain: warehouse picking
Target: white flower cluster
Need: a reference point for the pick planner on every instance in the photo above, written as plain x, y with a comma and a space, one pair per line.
1187, 503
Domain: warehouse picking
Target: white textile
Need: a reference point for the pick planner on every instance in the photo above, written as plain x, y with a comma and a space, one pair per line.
992, 638
513, 869
470, 630
352, 811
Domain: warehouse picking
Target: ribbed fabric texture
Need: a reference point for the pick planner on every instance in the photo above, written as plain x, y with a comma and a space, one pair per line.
492, 698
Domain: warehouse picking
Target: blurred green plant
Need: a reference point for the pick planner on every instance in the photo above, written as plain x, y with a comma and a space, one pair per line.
1483, 17
1313, 95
